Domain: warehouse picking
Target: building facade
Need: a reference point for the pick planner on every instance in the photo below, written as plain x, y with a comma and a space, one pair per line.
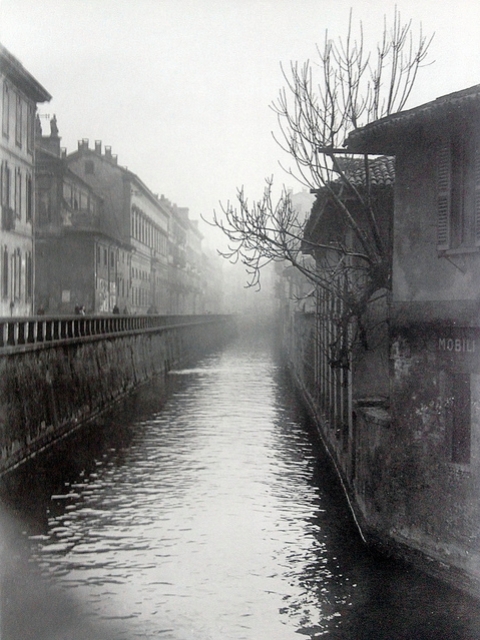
20, 94
78, 264
195, 301
406, 443
178, 284
419, 477
138, 222
335, 322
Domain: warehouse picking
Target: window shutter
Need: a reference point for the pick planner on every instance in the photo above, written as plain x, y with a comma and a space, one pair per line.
443, 196
477, 193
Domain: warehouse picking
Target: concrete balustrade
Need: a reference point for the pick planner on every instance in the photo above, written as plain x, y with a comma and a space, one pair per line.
35, 330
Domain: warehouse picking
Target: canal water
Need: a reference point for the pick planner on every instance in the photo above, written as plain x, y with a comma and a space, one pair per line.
209, 513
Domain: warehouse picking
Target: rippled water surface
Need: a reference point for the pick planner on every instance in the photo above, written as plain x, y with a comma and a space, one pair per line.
209, 515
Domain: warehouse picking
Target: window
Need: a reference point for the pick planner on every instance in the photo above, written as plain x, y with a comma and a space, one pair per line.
458, 193
5, 263
18, 193
17, 274
6, 185
6, 110
28, 277
18, 122
29, 199
30, 128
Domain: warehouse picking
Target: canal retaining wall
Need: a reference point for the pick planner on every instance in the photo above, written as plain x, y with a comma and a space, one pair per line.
58, 373
409, 499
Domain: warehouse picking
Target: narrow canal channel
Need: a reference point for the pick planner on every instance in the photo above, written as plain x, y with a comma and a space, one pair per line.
209, 514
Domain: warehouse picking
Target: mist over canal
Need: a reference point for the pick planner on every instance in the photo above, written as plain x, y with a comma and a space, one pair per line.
209, 513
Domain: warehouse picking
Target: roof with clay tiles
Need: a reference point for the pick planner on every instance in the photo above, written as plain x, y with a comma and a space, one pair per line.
381, 170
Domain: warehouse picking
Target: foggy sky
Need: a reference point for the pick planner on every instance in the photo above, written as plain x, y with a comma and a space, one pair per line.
180, 89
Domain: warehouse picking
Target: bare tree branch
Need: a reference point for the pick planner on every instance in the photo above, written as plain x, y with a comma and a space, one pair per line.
319, 104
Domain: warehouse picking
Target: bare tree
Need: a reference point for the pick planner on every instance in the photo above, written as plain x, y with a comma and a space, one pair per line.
321, 102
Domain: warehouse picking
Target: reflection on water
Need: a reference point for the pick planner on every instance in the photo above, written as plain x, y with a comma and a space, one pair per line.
209, 515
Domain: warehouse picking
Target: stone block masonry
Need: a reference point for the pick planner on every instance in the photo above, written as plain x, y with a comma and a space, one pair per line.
51, 385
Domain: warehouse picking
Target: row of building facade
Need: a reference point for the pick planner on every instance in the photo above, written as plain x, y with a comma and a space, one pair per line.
80, 231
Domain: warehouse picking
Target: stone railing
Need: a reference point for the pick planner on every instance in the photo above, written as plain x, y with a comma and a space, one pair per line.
20, 333
58, 373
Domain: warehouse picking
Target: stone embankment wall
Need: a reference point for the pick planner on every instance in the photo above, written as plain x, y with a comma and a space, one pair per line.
56, 374
412, 488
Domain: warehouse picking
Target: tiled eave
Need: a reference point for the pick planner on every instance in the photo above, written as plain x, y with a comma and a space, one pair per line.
381, 171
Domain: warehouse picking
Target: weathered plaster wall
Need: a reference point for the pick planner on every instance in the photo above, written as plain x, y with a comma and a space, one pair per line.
45, 392
107, 181
75, 254
408, 496
413, 499
420, 272
426, 498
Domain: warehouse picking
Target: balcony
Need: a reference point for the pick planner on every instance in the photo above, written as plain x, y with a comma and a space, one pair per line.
80, 219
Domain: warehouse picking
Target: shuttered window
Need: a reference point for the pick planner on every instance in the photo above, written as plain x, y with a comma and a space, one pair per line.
444, 193
458, 193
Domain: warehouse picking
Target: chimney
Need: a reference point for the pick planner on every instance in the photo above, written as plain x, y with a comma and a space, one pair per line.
98, 147
85, 143
108, 152
115, 159
79, 145
64, 152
